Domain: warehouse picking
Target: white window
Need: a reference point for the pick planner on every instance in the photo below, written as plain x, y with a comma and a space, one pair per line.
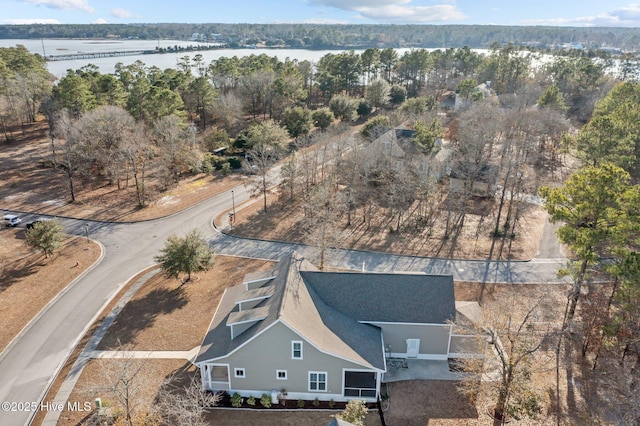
296, 349
317, 381
239, 372
281, 374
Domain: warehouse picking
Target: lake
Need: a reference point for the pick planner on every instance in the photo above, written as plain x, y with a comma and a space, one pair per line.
162, 61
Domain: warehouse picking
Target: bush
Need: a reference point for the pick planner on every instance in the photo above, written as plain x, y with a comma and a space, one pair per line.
364, 109
226, 168
332, 403
301, 403
251, 400
316, 402
322, 118
236, 400
354, 412
235, 162
265, 400
375, 126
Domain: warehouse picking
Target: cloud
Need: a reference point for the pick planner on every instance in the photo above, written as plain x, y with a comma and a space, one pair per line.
82, 5
626, 16
30, 21
397, 10
121, 13
321, 21
100, 21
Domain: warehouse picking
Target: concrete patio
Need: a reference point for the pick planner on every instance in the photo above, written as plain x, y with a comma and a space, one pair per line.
420, 369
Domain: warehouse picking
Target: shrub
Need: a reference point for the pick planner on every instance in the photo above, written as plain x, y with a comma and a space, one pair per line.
251, 400
332, 403
363, 109
265, 400
301, 403
236, 400
226, 168
354, 412
375, 126
235, 162
316, 402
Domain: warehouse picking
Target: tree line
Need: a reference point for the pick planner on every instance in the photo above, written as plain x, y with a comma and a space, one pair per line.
327, 36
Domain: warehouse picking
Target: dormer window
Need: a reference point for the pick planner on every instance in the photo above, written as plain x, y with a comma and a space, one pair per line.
296, 349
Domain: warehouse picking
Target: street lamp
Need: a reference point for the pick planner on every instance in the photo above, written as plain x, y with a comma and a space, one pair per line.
86, 231
232, 215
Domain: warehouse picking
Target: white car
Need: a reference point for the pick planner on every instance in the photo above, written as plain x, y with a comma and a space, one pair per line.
11, 220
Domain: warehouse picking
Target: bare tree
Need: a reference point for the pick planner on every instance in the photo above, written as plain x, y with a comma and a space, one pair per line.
505, 371
122, 381
184, 404
139, 153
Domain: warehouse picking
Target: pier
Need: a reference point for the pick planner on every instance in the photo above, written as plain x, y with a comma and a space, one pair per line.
74, 56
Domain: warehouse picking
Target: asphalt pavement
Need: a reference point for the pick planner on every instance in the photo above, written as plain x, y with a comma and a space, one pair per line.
33, 359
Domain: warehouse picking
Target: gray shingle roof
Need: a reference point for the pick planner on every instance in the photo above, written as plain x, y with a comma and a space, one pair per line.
372, 297
325, 309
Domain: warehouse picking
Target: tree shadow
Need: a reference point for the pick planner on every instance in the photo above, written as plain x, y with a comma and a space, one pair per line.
140, 314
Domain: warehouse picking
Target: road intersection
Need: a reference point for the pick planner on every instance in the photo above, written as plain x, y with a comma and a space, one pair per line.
33, 359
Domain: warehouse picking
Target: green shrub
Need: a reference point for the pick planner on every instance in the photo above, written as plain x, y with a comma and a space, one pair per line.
332, 403
316, 402
265, 400
251, 400
236, 400
235, 162
226, 168
301, 403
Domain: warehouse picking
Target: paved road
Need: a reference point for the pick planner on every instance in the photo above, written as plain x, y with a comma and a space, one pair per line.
32, 360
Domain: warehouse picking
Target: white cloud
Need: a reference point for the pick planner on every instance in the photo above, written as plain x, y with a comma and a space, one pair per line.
82, 5
357, 4
397, 10
322, 21
121, 13
100, 21
30, 21
627, 16
413, 14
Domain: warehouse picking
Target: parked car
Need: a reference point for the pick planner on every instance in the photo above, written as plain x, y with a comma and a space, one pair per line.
11, 220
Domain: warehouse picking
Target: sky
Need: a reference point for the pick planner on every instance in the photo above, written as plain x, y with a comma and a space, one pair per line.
585, 13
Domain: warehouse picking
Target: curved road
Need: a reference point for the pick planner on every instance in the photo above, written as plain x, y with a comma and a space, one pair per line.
32, 360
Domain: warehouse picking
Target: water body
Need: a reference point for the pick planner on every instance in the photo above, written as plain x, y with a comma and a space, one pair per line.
162, 61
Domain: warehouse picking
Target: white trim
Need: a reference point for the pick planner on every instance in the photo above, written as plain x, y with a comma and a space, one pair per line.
230, 324
432, 357
329, 353
439, 324
293, 342
449, 342
209, 378
240, 302
278, 375
257, 280
378, 380
239, 373
326, 381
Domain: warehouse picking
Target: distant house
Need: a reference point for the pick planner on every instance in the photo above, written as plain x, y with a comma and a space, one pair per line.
474, 179
396, 147
325, 335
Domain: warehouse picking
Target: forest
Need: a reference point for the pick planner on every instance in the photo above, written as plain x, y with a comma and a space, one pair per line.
313, 36
448, 115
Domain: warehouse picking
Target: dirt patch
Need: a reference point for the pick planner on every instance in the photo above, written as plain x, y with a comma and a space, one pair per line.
164, 315
28, 183
30, 281
284, 221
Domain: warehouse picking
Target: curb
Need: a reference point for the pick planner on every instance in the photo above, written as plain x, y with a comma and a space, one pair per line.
50, 303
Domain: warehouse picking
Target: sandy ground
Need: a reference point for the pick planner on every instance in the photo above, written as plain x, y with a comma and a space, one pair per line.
29, 280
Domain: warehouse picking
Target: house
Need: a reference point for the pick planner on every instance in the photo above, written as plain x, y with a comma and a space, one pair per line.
475, 179
325, 335
396, 148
